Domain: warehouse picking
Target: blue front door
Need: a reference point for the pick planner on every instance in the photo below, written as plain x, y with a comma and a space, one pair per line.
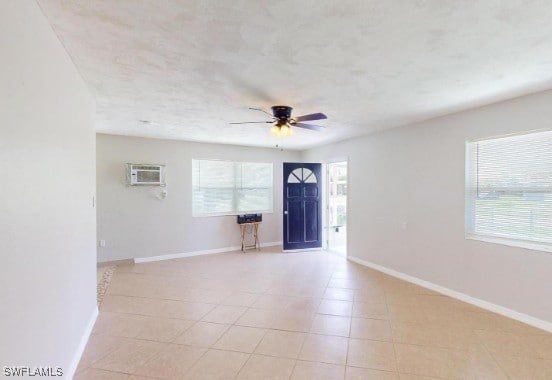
302, 206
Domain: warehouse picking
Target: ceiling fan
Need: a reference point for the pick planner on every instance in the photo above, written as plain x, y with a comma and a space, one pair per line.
282, 121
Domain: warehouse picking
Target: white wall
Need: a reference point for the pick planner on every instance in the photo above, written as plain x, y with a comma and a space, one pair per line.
135, 223
415, 175
47, 222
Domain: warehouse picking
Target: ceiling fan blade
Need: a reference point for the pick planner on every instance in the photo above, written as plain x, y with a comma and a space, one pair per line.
260, 109
253, 122
311, 116
309, 126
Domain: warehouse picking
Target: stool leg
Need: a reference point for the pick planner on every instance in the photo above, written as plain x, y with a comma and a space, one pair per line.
242, 237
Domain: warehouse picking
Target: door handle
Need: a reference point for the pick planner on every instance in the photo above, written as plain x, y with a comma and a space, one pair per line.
285, 212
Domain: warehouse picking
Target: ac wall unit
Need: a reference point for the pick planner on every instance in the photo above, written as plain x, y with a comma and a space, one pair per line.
146, 174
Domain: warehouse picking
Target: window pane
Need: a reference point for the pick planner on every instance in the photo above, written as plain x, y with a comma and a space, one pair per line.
253, 174
213, 201
229, 188
254, 190
524, 216
509, 187
254, 200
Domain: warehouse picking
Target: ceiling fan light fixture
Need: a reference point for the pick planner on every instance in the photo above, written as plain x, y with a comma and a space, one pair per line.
281, 130
286, 130
275, 131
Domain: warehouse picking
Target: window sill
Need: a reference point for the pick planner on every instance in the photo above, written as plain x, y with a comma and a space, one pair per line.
511, 242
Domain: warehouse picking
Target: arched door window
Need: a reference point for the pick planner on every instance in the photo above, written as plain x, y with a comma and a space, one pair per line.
302, 175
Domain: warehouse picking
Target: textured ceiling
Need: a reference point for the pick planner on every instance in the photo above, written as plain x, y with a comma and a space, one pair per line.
183, 69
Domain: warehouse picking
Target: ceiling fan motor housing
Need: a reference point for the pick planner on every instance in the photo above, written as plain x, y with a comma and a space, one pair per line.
282, 114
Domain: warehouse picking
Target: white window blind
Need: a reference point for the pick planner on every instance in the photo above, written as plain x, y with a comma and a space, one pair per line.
231, 188
509, 188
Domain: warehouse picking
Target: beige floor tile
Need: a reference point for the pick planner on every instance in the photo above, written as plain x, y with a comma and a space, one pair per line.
292, 321
171, 362
266, 368
115, 324
203, 295
336, 307
406, 313
371, 354
240, 338
522, 328
141, 327
98, 347
542, 344
99, 374
437, 336
344, 283
507, 344
136, 285
225, 314
156, 307
202, 334
356, 373
525, 368
331, 325
256, 318
272, 302
447, 363
370, 295
324, 348
375, 329
394, 297
285, 344
317, 371
192, 311
297, 289
241, 299
441, 303
339, 294
130, 355
303, 305
370, 310
162, 329
217, 365
409, 376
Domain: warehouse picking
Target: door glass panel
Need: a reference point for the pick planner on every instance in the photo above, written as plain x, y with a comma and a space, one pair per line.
293, 179
298, 174
310, 177
337, 207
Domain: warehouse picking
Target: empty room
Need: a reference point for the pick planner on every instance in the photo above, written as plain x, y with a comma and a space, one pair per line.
207, 189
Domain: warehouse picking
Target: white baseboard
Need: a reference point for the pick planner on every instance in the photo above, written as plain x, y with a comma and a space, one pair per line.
171, 256
527, 319
70, 373
302, 250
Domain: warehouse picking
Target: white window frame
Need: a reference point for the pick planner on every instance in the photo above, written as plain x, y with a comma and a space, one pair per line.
235, 190
471, 194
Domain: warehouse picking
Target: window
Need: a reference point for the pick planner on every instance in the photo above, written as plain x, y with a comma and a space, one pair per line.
509, 190
230, 188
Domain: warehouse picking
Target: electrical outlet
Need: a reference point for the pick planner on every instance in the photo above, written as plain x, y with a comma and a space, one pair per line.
102, 243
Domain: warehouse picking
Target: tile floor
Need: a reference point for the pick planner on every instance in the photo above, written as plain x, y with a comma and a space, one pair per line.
310, 315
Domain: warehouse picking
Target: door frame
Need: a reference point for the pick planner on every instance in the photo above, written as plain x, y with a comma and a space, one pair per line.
326, 205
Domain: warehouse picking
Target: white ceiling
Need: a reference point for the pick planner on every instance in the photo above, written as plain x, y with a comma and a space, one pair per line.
188, 68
